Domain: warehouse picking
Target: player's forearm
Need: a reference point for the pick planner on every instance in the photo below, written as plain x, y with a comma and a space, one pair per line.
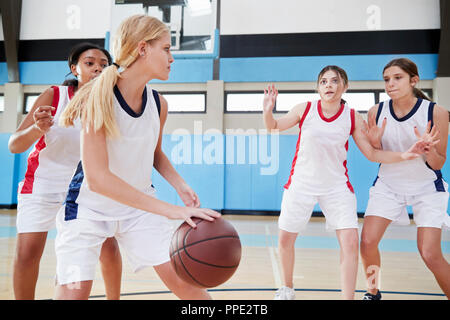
22, 140
435, 160
111, 186
269, 121
165, 168
382, 156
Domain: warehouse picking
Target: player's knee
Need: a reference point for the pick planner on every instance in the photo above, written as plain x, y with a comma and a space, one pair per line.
431, 258
368, 245
27, 257
286, 241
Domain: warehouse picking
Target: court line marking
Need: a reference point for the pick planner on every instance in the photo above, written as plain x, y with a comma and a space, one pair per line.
273, 289
273, 259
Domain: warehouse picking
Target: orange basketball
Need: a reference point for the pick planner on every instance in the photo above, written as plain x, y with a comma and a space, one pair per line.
208, 255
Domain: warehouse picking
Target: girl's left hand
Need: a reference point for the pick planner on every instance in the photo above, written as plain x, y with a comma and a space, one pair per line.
430, 137
188, 196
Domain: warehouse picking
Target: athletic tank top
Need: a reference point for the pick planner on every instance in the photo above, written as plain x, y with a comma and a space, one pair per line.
410, 177
130, 157
53, 159
320, 161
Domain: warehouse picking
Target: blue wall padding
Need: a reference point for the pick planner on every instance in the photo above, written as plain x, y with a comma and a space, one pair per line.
230, 179
53, 72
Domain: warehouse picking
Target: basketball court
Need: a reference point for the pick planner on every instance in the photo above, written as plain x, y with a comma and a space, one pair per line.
316, 276
215, 135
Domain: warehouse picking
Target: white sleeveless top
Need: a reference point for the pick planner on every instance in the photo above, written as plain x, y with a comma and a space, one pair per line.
53, 159
320, 162
130, 158
410, 177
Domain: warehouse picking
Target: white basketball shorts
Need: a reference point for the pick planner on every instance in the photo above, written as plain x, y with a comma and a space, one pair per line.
37, 212
339, 209
429, 209
145, 239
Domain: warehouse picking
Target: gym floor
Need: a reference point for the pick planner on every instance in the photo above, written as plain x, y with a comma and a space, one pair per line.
316, 275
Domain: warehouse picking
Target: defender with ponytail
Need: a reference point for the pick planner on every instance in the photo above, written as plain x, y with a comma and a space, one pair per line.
319, 172
409, 114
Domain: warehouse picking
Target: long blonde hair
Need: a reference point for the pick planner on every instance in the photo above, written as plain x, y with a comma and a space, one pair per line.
93, 102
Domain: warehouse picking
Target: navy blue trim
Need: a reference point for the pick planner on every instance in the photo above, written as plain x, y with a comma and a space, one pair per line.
71, 206
376, 179
380, 107
410, 113
158, 103
125, 105
430, 113
439, 182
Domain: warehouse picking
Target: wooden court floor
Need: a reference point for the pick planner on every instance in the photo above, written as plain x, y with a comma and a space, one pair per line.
404, 276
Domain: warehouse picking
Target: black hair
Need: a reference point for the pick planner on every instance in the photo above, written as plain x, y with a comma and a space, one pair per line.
75, 54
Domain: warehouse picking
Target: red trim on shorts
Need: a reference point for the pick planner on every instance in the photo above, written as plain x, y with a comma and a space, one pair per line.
33, 158
308, 106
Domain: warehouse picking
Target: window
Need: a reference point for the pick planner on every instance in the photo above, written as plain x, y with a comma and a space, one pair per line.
29, 100
360, 101
243, 102
286, 101
186, 102
252, 101
2, 103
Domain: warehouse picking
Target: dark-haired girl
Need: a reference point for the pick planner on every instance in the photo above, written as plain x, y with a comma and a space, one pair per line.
51, 164
418, 183
319, 173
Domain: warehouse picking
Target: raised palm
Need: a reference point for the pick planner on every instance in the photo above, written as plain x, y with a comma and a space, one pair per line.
373, 132
270, 98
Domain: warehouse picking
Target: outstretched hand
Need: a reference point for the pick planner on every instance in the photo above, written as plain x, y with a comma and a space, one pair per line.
430, 136
270, 97
423, 144
373, 132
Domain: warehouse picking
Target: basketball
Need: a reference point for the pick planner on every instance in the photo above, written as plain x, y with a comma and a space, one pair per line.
208, 255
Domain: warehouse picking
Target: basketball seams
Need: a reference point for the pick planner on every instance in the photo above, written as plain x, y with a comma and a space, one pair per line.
200, 241
186, 260
206, 263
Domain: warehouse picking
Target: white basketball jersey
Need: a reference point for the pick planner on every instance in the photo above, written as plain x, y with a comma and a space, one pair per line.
130, 158
414, 176
320, 162
54, 157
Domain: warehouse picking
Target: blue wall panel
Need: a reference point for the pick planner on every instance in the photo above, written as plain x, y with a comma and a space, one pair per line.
233, 184
7, 161
54, 72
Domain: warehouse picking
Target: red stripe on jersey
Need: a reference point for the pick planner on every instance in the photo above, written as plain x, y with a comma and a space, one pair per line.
33, 158
71, 90
352, 118
286, 186
349, 185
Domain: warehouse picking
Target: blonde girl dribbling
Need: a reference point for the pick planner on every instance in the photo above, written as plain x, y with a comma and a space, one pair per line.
111, 192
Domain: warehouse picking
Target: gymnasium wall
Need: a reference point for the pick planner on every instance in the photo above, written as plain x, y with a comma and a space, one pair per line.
225, 157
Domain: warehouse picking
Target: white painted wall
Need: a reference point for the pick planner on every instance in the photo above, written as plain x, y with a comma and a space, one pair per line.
295, 16
64, 19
